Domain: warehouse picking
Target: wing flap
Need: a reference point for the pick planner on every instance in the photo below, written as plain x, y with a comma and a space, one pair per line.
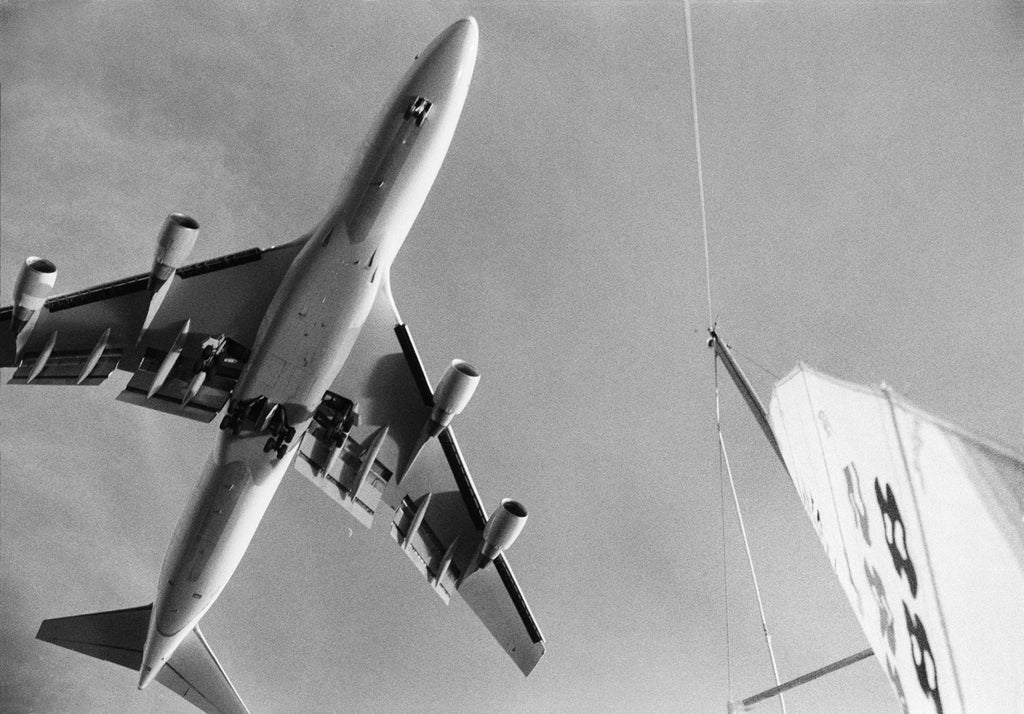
341, 470
431, 546
220, 368
494, 595
79, 320
66, 368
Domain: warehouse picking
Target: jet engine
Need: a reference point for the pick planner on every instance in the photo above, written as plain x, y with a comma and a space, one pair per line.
31, 289
502, 529
452, 394
177, 236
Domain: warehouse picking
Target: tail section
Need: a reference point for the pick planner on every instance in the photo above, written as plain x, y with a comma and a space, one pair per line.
119, 636
116, 636
194, 673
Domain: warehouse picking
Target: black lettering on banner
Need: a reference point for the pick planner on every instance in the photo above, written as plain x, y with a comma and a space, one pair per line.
897, 684
857, 501
886, 622
896, 535
924, 662
853, 585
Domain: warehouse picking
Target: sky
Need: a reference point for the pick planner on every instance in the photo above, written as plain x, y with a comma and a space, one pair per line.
863, 174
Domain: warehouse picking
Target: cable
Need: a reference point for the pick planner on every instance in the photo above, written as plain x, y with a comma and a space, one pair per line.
723, 454
754, 362
700, 163
746, 545
725, 564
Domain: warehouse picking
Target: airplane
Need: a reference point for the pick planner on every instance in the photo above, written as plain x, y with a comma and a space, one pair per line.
302, 348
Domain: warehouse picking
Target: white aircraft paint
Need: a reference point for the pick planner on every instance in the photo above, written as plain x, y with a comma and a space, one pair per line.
308, 331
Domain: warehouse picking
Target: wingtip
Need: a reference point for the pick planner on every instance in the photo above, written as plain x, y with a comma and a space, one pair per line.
526, 666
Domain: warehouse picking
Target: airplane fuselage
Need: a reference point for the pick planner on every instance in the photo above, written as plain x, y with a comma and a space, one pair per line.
307, 333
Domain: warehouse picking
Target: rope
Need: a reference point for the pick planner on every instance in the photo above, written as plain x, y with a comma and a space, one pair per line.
700, 163
753, 361
746, 544
725, 565
723, 454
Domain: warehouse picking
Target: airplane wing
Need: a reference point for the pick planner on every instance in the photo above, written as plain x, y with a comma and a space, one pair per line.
207, 314
365, 450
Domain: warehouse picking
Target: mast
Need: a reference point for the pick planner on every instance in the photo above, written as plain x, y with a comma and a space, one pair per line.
723, 352
749, 396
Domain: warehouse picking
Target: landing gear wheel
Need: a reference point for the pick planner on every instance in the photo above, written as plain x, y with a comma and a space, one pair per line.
270, 445
282, 450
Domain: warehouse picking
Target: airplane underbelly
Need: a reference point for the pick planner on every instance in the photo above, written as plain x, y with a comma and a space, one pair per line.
313, 331
214, 531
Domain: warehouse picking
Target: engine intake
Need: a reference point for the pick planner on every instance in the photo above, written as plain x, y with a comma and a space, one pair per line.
502, 529
177, 236
33, 286
452, 394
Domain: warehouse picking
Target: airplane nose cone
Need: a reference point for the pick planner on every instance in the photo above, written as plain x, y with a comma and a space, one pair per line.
448, 60
466, 31
460, 38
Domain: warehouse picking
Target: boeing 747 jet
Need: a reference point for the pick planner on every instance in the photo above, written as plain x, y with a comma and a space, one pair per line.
300, 350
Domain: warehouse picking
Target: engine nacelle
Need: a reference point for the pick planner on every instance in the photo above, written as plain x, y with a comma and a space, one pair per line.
31, 289
502, 529
177, 236
452, 394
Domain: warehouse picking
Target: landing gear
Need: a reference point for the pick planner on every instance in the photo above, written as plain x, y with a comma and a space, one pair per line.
273, 445
261, 416
335, 418
246, 413
231, 421
280, 438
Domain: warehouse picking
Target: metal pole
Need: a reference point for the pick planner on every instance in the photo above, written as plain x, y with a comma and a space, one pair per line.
768, 693
743, 385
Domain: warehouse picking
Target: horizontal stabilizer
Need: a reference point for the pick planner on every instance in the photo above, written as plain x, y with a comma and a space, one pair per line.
119, 636
194, 673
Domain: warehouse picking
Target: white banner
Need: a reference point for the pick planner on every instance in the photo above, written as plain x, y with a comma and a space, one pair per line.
924, 527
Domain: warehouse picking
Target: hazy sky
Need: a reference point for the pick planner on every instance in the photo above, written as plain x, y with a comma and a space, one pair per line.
863, 166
